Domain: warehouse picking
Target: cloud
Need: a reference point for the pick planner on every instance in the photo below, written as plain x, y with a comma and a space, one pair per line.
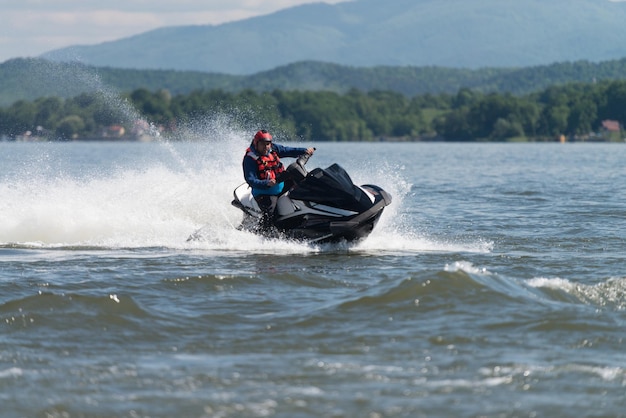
32, 27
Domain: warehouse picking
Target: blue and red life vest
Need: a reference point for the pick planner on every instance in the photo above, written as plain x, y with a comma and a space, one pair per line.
269, 166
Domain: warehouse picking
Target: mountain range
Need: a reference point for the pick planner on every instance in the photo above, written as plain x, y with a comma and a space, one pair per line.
468, 34
33, 78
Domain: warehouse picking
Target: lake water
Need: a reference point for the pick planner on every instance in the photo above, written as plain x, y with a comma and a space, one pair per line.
493, 286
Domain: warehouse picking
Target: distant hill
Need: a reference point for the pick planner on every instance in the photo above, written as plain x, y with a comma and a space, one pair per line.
30, 78
365, 33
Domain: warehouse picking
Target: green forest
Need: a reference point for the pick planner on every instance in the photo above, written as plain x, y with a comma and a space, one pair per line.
574, 110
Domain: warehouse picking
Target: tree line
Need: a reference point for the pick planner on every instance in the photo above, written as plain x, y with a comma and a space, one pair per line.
573, 110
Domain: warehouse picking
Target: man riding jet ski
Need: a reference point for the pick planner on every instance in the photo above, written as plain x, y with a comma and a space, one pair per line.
264, 173
321, 206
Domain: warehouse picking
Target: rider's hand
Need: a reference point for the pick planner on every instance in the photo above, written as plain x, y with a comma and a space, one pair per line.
310, 151
271, 182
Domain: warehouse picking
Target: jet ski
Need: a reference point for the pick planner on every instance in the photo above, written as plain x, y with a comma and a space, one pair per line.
323, 205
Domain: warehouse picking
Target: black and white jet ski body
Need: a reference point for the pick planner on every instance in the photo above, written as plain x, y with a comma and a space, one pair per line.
323, 206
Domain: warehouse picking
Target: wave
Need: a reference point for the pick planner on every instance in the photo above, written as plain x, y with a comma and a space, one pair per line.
461, 285
67, 310
609, 294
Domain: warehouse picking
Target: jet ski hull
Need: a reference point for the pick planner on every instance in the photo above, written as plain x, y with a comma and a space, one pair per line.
323, 205
325, 224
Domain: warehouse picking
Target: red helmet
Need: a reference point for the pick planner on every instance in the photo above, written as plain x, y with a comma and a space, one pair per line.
262, 135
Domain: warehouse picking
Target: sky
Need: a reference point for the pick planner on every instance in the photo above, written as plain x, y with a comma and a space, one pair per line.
29, 28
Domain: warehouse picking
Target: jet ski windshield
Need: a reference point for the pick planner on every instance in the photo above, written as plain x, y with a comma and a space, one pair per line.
332, 187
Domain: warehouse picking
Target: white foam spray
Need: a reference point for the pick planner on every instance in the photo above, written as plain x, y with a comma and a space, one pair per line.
169, 191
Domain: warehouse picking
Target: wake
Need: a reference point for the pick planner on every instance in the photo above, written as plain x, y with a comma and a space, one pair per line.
130, 195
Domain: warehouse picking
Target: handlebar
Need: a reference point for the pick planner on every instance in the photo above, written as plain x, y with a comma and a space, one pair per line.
296, 170
302, 160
